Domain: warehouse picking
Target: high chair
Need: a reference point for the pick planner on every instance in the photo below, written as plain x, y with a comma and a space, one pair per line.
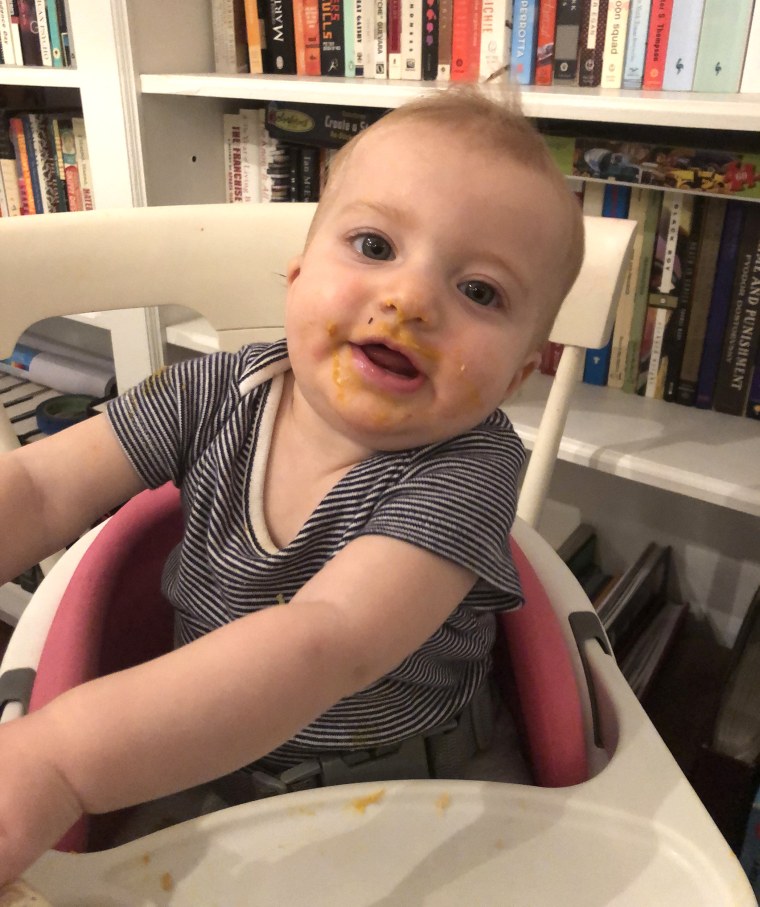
609, 819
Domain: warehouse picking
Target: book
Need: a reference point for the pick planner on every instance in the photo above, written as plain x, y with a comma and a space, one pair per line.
379, 46
567, 40
254, 31
613, 56
393, 33
616, 201
704, 278
360, 8
753, 401
320, 125
742, 332
722, 45
657, 43
8, 174
593, 32
637, 596
550, 356
67, 45
621, 332
6, 40
331, 39
411, 39
445, 25
32, 163
584, 534
681, 58
83, 163
493, 36
279, 34
18, 51
636, 43
44, 160
74, 199
54, 137
465, 40
54, 33
431, 36
641, 297
719, 303
524, 40
23, 174
349, 38
228, 25
750, 83
674, 340
672, 234
647, 654
29, 32
547, 20
43, 33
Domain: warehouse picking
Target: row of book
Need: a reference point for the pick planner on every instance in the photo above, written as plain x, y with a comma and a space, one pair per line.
44, 163
35, 33
674, 45
687, 327
682, 45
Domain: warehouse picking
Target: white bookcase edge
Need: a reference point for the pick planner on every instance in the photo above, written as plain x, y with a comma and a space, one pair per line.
656, 108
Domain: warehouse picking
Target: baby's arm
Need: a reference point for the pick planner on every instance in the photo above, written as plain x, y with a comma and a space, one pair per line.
222, 701
53, 490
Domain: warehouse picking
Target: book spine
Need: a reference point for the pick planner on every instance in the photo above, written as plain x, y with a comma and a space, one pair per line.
230, 39
83, 163
750, 83
54, 32
393, 32
493, 34
233, 167
681, 58
567, 40
592, 43
67, 48
639, 313
636, 43
430, 40
465, 41
54, 137
253, 25
44, 156
445, 28
657, 43
679, 322
707, 259
411, 39
10, 186
614, 43
33, 164
18, 52
380, 43
753, 400
722, 45
23, 176
279, 36
743, 326
624, 315
74, 199
310, 174
43, 33
547, 21
349, 39
524, 39
719, 303
6, 41
360, 7
30, 41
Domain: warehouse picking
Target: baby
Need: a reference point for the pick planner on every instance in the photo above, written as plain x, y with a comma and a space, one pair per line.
348, 492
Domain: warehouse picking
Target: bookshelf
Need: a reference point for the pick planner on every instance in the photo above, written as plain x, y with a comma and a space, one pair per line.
153, 110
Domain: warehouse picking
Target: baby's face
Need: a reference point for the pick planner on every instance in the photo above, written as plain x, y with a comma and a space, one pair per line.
416, 307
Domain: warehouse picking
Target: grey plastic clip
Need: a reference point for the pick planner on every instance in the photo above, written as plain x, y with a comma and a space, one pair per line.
16, 686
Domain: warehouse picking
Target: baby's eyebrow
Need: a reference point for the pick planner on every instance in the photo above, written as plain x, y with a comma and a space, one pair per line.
392, 212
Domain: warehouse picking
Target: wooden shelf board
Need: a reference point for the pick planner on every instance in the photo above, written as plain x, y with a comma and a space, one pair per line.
40, 76
658, 108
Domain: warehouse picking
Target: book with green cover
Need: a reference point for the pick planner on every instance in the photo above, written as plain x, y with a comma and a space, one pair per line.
722, 45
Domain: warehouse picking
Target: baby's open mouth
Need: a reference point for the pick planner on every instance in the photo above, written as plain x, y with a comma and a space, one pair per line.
391, 360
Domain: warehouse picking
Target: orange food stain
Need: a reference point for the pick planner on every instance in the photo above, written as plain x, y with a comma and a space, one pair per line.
360, 804
443, 803
167, 882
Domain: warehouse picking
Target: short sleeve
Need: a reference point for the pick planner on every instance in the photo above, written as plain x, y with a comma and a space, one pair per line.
458, 500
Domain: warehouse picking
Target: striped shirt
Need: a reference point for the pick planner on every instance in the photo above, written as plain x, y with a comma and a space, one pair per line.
206, 424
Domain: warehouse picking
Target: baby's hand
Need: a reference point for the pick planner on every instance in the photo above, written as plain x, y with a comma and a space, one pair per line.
37, 804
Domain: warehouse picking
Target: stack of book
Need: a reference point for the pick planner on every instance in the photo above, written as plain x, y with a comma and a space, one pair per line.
44, 163
686, 45
686, 328
35, 33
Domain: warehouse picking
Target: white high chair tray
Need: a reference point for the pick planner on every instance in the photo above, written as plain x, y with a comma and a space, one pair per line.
396, 844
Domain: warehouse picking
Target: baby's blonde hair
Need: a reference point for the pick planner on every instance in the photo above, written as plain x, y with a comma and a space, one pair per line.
491, 117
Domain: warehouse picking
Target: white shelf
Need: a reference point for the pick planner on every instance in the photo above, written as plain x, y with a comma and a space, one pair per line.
657, 108
705, 455
40, 76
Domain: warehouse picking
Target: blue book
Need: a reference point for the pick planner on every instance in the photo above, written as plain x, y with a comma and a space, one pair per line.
597, 365
524, 38
719, 304
33, 163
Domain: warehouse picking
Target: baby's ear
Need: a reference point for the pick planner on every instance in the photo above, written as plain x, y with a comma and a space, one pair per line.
294, 268
524, 371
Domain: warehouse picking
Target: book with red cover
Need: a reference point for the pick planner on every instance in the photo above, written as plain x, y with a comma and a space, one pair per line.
547, 20
657, 43
465, 41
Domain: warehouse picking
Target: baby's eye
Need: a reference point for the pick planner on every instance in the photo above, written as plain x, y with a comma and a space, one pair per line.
373, 246
479, 292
